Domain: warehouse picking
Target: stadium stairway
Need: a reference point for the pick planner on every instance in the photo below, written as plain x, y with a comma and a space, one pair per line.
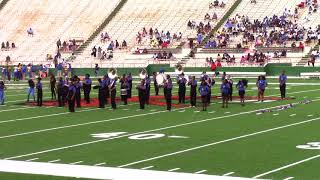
3, 3
100, 28
304, 60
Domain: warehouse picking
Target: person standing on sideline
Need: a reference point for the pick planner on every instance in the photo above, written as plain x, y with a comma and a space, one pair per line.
282, 84
39, 92
96, 70
193, 91
148, 87
261, 84
181, 80
156, 87
167, 89
31, 90
129, 79
142, 88
113, 92
241, 86
60, 85
2, 88
53, 87
87, 88
78, 86
204, 91
71, 95
225, 88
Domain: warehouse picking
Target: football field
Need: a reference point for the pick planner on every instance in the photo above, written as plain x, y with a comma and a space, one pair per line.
276, 139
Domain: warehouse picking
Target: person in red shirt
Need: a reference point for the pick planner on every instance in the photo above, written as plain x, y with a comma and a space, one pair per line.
219, 64
213, 66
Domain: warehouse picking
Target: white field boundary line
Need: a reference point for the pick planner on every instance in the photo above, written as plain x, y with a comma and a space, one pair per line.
147, 131
219, 142
287, 166
295, 92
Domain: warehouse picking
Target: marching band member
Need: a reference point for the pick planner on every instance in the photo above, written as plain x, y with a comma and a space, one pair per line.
31, 90
113, 92
106, 82
156, 87
39, 92
230, 81
101, 93
193, 91
261, 84
124, 84
87, 88
78, 86
129, 79
241, 86
204, 91
225, 88
53, 87
282, 84
2, 88
148, 87
209, 82
72, 94
181, 80
60, 92
142, 88
65, 90
167, 88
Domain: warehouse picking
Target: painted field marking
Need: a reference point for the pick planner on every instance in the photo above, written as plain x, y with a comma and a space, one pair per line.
296, 92
74, 163
293, 115
152, 110
196, 111
175, 169
310, 115
7, 110
219, 142
53, 161
288, 178
228, 174
178, 137
148, 167
48, 115
100, 164
286, 166
277, 114
29, 160
211, 112
200, 172
164, 128
227, 112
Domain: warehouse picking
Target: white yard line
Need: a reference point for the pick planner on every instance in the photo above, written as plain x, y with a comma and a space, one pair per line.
293, 115
175, 169
100, 164
228, 174
148, 167
74, 163
288, 178
287, 166
159, 129
200, 172
219, 142
15, 109
29, 160
53, 161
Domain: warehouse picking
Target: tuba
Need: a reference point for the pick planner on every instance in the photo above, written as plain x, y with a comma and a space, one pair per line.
179, 69
112, 73
143, 73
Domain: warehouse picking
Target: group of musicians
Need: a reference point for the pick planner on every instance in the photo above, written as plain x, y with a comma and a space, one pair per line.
69, 90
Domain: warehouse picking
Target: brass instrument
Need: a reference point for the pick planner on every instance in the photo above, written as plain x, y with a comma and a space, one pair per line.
143, 73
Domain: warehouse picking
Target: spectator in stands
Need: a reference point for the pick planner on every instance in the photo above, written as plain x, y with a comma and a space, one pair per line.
99, 52
58, 43
111, 46
30, 32
312, 60
253, 1
207, 17
94, 52
13, 45
117, 44
7, 45
214, 16
3, 46
124, 44
199, 38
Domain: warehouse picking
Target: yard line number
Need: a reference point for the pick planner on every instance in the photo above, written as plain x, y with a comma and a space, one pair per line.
310, 145
134, 137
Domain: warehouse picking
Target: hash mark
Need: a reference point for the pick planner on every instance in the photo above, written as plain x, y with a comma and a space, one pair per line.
227, 174
29, 160
54, 161
288, 178
175, 169
145, 168
200, 172
100, 164
78, 162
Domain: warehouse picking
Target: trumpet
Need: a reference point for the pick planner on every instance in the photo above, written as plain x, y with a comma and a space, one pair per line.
143, 73
112, 73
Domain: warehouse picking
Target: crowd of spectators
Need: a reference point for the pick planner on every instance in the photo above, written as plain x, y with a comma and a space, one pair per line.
7, 45
162, 55
157, 39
